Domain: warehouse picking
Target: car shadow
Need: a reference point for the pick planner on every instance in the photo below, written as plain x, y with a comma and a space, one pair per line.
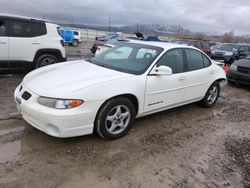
239, 86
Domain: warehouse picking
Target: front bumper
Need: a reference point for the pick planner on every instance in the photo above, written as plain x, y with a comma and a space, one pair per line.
56, 122
221, 57
238, 77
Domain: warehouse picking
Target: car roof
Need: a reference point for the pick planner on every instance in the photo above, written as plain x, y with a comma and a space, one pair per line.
164, 45
19, 17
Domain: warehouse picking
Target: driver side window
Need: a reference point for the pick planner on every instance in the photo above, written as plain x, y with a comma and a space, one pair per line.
173, 59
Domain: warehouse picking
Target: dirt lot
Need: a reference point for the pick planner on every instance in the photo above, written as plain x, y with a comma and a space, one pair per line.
187, 147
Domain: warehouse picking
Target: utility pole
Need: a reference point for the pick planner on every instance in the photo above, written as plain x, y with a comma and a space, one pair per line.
109, 23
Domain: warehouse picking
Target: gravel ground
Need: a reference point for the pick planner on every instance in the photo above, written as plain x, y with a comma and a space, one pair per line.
186, 147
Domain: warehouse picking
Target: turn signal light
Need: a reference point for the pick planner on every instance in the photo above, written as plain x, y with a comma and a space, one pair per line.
75, 103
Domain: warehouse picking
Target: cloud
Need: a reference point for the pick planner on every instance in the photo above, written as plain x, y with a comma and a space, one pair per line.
197, 15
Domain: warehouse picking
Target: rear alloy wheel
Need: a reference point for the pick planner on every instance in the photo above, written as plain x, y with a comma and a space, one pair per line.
45, 60
115, 118
211, 96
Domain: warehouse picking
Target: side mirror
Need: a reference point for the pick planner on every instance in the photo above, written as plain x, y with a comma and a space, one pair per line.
161, 70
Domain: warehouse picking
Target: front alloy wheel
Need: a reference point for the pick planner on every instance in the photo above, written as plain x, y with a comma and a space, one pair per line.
115, 118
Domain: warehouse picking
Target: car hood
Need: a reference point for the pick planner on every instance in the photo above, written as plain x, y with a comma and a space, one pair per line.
64, 78
243, 63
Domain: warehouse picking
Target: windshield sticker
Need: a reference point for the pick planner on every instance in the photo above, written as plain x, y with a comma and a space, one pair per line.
145, 50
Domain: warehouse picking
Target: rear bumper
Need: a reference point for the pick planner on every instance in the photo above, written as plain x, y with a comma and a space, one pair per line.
224, 58
239, 78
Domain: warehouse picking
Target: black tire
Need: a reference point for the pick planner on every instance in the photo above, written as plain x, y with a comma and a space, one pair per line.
206, 102
75, 43
50, 59
102, 122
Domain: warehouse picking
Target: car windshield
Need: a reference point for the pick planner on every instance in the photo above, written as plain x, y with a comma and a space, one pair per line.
228, 47
129, 58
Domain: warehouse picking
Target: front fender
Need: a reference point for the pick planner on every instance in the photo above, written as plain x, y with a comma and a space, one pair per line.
106, 90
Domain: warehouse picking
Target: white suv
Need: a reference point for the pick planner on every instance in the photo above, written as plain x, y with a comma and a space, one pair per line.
29, 43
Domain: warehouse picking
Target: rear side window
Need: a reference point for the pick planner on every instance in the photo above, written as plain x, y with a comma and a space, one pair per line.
3, 28
206, 61
174, 60
19, 28
194, 59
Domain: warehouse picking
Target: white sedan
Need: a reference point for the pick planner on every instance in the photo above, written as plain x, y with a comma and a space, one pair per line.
107, 93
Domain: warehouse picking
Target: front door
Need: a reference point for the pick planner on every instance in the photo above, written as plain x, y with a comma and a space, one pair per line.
163, 91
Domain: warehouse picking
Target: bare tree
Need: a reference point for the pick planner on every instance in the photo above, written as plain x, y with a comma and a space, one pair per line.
228, 37
179, 31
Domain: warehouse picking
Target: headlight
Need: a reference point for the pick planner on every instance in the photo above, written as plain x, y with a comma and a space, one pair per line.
59, 103
233, 67
228, 53
212, 52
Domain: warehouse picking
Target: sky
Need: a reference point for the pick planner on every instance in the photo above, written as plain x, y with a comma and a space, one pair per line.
196, 15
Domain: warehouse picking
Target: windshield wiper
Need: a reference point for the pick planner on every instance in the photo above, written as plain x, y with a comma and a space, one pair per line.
102, 65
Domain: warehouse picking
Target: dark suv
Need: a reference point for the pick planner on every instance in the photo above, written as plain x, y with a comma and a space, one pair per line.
230, 52
239, 71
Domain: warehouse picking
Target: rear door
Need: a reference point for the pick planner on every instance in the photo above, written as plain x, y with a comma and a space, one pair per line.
4, 44
197, 75
24, 42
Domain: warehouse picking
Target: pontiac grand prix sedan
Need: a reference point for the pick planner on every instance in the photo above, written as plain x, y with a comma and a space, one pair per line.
105, 94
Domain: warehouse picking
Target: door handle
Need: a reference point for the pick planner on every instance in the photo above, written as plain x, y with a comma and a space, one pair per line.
2, 42
182, 78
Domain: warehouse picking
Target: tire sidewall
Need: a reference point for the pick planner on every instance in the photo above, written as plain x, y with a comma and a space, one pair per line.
100, 126
42, 57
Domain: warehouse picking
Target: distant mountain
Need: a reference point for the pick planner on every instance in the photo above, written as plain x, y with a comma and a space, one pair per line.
148, 29
157, 29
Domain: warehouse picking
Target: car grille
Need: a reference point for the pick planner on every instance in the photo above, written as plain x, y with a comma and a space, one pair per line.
26, 95
244, 70
219, 53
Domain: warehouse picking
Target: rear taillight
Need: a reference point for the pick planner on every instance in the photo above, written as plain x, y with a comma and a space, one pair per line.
62, 43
